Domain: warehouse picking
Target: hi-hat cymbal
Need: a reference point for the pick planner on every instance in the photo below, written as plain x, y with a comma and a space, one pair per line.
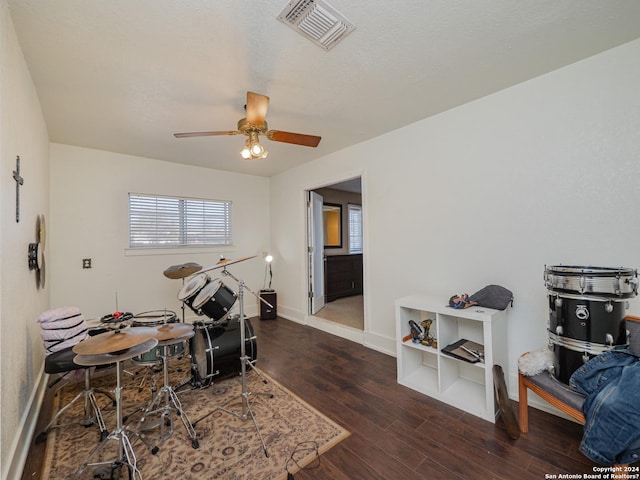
180, 271
91, 360
223, 262
114, 341
172, 330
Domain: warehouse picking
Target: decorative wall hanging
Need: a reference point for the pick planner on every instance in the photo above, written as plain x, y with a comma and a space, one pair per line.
19, 181
36, 252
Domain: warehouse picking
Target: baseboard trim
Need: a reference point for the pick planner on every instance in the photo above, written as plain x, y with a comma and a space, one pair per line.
25, 434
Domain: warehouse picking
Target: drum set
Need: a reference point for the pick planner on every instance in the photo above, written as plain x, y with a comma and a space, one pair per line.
586, 312
221, 345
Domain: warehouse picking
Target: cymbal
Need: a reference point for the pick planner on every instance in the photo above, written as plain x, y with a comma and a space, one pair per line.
180, 271
107, 358
223, 262
172, 330
114, 341
181, 338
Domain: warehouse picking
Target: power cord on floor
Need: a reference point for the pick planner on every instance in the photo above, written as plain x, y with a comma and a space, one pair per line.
300, 452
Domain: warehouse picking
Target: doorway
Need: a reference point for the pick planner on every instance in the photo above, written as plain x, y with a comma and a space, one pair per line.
336, 287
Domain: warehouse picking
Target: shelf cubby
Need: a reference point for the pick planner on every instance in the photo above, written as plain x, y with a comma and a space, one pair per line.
464, 385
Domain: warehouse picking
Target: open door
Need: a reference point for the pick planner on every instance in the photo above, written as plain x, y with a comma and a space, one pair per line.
315, 252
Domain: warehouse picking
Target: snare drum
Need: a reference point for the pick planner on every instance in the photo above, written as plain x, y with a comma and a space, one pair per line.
153, 356
216, 350
215, 300
153, 318
190, 289
592, 281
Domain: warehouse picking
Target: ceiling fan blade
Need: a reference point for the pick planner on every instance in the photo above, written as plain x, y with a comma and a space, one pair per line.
295, 138
257, 106
206, 134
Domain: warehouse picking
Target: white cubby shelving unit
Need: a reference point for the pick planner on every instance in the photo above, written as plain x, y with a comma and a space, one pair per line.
464, 385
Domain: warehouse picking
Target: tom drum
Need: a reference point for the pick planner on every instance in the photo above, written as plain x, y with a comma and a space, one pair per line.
215, 300
190, 290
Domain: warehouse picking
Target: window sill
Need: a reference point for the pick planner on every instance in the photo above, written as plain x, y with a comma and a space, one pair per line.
135, 252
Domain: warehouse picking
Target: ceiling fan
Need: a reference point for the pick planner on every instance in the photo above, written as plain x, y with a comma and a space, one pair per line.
254, 125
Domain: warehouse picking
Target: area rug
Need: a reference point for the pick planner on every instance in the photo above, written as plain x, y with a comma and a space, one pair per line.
229, 445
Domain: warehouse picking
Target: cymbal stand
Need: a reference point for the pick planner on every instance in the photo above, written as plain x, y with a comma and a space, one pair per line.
182, 307
247, 411
126, 455
171, 401
241, 287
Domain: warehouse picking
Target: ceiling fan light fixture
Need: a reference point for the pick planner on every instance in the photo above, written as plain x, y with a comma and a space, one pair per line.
246, 151
253, 148
257, 150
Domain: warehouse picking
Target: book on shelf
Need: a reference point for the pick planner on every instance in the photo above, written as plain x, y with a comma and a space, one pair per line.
466, 350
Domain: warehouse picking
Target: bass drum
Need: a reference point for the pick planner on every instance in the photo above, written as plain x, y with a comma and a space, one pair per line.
216, 350
583, 327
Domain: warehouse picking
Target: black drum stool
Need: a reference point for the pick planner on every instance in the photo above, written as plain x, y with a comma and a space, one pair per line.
62, 362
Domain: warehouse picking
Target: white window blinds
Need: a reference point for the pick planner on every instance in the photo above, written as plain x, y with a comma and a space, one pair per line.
158, 222
355, 228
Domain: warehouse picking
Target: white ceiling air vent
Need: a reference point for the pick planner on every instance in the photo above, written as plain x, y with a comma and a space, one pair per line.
317, 21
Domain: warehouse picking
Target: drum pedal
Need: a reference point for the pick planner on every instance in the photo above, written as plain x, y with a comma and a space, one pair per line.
108, 472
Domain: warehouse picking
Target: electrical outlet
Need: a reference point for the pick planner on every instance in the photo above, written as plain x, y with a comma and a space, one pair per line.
86, 263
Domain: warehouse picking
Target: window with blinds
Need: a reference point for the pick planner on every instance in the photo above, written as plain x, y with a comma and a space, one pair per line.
165, 222
355, 228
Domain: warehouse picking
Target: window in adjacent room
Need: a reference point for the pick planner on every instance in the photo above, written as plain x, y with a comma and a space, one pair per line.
355, 228
165, 222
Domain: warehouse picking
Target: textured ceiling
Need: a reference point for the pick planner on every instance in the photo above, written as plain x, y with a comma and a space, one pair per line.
124, 75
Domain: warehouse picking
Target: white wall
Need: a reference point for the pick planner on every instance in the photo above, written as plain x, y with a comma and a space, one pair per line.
545, 172
89, 205
22, 132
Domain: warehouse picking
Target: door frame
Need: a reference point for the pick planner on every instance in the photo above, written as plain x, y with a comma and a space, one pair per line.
325, 325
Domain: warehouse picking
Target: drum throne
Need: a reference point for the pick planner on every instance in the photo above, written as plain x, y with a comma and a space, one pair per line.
61, 329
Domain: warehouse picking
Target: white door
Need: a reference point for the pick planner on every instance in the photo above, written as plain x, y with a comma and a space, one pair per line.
316, 252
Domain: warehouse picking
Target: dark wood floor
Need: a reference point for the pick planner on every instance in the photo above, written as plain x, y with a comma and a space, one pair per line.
395, 432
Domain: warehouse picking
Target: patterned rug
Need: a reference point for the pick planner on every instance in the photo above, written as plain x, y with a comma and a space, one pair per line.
229, 445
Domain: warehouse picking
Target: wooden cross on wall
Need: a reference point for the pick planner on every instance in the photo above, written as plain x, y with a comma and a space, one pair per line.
19, 181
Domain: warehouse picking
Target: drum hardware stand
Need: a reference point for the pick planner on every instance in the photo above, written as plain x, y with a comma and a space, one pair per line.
247, 411
171, 403
90, 402
126, 455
